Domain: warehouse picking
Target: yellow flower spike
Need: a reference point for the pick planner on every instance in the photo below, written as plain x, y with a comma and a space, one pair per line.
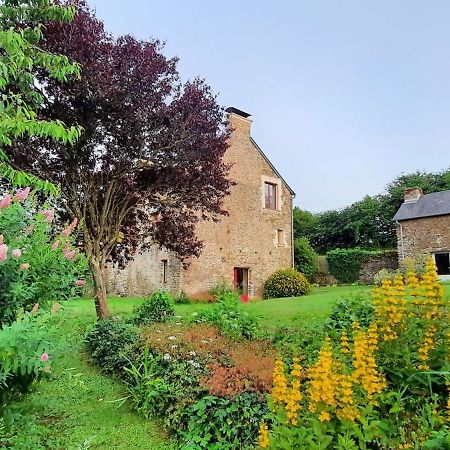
279, 389
263, 438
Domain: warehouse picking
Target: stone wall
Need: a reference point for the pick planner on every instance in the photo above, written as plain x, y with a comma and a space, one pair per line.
248, 236
145, 274
374, 263
423, 235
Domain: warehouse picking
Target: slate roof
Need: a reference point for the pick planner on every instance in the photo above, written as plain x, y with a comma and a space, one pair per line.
436, 204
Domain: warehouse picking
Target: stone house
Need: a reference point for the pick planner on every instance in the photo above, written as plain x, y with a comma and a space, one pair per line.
243, 248
423, 226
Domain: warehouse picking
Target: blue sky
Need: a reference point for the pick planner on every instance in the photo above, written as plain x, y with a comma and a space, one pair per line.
345, 95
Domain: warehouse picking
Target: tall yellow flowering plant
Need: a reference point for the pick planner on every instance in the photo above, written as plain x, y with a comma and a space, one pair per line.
383, 386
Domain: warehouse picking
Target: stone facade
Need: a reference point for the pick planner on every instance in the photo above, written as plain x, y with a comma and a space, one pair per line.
423, 235
244, 247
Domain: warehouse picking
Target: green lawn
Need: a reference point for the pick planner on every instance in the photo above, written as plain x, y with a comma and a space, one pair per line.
78, 407
291, 312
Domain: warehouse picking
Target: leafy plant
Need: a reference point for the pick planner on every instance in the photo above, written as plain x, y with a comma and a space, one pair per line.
221, 289
306, 259
111, 345
182, 299
25, 353
223, 423
158, 308
231, 318
286, 283
358, 308
35, 266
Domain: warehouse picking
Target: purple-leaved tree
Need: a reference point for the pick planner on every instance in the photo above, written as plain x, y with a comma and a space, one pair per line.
148, 164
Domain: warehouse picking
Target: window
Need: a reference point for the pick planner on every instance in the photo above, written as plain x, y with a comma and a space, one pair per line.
442, 263
280, 237
270, 195
164, 268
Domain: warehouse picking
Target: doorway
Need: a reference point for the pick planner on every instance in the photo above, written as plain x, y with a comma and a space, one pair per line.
442, 263
241, 278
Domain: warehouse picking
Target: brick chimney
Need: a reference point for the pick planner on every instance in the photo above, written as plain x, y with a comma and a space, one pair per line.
411, 195
239, 120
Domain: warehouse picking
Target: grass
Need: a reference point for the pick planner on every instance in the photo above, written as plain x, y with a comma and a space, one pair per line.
290, 312
78, 407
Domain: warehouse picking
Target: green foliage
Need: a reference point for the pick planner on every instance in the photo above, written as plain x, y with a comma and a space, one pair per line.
345, 264
21, 59
158, 308
182, 299
50, 276
223, 423
304, 223
285, 283
111, 344
366, 223
24, 348
357, 308
219, 289
168, 389
306, 259
232, 319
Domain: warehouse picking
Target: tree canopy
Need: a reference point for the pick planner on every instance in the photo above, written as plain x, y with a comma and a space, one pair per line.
22, 59
148, 165
367, 223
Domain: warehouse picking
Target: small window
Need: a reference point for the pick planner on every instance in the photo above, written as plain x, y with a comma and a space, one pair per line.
442, 263
164, 267
270, 195
280, 237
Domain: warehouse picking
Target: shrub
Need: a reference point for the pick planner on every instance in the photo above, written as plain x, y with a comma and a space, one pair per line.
25, 347
220, 289
111, 344
223, 423
345, 264
358, 308
231, 318
35, 267
306, 259
158, 308
285, 283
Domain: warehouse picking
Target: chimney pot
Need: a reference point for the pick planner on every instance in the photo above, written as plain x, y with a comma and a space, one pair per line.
411, 195
239, 120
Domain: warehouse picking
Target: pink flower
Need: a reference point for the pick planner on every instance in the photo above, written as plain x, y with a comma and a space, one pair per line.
44, 357
3, 251
80, 282
49, 215
16, 253
35, 309
55, 308
47, 369
55, 245
68, 230
24, 266
5, 201
69, 254
21, 195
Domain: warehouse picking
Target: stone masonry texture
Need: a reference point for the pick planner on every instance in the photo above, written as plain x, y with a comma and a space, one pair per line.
250, 237
423, 235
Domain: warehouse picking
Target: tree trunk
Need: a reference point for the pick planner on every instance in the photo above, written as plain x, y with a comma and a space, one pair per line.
100, 298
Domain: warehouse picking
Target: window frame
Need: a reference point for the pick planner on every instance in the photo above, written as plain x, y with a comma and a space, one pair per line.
271, 195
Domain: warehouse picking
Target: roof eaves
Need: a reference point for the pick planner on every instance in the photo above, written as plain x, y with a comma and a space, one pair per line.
272, 166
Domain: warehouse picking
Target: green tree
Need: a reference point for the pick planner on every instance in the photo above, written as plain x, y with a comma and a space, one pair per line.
305, 258
304, 222
21, 59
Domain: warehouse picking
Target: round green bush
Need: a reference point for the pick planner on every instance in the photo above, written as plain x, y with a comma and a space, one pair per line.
285, 283
158, 308
306, 259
